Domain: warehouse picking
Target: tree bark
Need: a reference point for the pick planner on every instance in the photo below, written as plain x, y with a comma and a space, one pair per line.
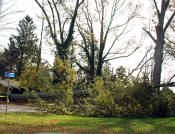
158, 62
160, 41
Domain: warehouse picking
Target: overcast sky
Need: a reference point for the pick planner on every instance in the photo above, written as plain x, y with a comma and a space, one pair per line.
29, 7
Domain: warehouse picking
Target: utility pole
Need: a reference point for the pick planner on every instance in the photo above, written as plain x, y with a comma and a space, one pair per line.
7, 99
8, 75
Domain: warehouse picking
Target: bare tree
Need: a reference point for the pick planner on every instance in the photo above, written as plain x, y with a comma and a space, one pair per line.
57, 21
100, 34
159, 40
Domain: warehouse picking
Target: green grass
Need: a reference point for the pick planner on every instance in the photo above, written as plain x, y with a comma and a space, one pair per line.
28, 123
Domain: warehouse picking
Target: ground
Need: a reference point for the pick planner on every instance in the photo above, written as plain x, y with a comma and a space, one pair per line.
25, 119
19, 106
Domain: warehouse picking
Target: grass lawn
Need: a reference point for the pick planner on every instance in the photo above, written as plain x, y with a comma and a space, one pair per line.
31, 123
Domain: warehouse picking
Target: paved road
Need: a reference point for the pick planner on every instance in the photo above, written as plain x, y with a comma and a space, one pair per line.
17, 108
5, 83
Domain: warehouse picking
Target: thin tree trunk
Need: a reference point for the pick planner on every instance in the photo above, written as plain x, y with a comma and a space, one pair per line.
39, 54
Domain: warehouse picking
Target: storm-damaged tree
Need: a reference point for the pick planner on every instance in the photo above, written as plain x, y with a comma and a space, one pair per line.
100, 34
159, 40
58, 14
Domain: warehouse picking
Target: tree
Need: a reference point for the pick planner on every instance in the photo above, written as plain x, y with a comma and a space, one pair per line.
60, 37
8, 58
160, 29
99, 45
24, 44
3, 64
11, 55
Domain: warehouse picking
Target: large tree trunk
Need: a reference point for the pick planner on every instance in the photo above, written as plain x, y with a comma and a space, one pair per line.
92, 62
158, 62
100, 64
92, 71
160, 41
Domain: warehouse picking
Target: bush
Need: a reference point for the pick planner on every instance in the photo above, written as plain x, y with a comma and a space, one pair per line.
61, 92
37, 81
126, 99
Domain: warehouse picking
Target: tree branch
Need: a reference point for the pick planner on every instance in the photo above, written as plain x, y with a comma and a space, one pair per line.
157, 9
171, 78
141, 62
150, 35
71, 28
123, 56
172, 84
169, 21
59, 21
48, 21
53, 16
82, 68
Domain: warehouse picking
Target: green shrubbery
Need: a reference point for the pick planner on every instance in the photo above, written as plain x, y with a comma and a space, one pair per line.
136, 99
60, 92
36, 81
120, 97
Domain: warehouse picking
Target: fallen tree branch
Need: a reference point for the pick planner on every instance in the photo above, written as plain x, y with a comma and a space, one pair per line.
171, 84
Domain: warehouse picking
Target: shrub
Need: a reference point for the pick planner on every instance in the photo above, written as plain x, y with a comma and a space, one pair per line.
117, 99
37, 81
61, 92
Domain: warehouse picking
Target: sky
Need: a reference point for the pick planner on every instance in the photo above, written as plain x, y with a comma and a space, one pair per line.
0, 5
26, 7
29, 7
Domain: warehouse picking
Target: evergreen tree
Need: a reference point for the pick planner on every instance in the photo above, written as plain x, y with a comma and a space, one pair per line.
24, 45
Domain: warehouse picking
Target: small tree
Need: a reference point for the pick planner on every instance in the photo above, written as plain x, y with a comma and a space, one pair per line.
64, 79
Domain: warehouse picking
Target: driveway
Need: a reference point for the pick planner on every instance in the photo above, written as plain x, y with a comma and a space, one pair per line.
5, 83
17, 108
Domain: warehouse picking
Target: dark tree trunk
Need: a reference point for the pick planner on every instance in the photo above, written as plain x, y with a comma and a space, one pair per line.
99, 69
158, 62
20, 66
160, 41
92, 70
92, 62
100, 60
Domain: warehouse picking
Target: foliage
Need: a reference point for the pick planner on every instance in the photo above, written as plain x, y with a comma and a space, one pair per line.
61, 91
3, 64
63, 72
163, 104
37, 81
3, 89
23, 46
125, 98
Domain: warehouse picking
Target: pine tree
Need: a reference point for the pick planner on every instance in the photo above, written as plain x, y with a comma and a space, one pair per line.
24, 44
